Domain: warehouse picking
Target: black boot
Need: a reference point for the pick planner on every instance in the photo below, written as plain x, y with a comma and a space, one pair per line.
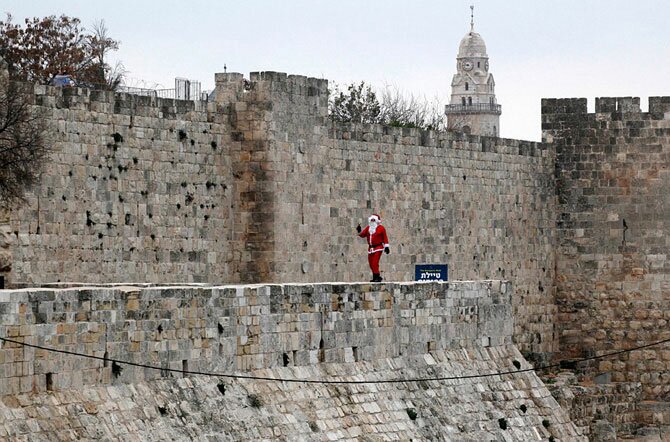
376, 277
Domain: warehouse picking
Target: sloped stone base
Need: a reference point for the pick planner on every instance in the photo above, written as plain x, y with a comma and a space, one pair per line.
515, 407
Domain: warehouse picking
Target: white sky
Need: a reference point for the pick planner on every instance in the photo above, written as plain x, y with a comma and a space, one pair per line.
537, 48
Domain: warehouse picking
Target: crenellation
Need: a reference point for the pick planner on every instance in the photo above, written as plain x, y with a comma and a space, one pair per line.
618, 104
659, 108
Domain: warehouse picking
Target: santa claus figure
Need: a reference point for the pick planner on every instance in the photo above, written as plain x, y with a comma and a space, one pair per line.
378, 242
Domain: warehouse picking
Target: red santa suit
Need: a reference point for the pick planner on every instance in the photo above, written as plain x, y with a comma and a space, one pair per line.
377, 242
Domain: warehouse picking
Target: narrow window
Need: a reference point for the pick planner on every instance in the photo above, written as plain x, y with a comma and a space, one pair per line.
355, 352
184, 368
50, 382
470, 100
478, 65
463, 100
105, 360
467, 86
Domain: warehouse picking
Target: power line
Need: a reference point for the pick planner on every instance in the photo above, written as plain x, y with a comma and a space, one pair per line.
327, 381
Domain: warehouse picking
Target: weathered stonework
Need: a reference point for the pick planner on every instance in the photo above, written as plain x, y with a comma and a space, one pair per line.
334, 332
136, 189
212, 409
612, 274
237, 189
258, 186
250, 327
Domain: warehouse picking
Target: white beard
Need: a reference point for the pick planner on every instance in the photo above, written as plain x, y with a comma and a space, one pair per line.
373, 228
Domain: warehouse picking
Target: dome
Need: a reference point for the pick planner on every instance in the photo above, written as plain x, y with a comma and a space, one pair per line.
472, 45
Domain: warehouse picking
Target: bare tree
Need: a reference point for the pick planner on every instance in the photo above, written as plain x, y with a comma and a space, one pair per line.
99, 72
359, 104
458, 123
407, 110
23, 147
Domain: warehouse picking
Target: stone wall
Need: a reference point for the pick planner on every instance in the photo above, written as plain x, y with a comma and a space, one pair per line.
248, 327
613, 271
592, 407
213, 409
332, 332
484, 206
273, 116
137, 189
259, 187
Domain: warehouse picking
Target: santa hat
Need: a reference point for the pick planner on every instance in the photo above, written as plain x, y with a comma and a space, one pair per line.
376, 218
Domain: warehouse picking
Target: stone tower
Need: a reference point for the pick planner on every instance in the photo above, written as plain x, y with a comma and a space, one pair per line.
473, 108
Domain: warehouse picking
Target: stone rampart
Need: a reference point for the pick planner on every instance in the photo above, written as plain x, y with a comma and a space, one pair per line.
512, 407
247, 327
484, 206
330, 332
136, 188
258, 186
613, 271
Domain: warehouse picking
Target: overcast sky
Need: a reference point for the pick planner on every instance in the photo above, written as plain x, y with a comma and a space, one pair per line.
537, 48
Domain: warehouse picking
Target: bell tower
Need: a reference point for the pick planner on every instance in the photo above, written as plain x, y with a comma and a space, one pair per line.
473, 108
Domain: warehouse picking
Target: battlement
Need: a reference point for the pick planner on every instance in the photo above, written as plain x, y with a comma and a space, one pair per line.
408, 137
567, 115
79, 98
659, 107
618, 104
291, 83
230, 87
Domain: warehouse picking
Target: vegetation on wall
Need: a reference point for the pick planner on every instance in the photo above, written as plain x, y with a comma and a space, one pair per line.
46, 47
359, 103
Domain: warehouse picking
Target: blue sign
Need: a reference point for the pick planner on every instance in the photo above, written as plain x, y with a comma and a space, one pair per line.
431, 272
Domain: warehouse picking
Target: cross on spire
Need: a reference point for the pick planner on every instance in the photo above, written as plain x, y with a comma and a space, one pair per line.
472, 18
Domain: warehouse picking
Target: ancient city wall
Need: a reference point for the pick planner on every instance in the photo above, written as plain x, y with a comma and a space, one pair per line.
259, 186
613, 272
136, 189
484, 206
330, 332
233, 328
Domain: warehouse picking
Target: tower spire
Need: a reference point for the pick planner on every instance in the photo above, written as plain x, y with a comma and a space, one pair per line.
472, 18
473, 107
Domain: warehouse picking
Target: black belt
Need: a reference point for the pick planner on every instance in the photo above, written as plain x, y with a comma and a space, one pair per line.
375, 245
